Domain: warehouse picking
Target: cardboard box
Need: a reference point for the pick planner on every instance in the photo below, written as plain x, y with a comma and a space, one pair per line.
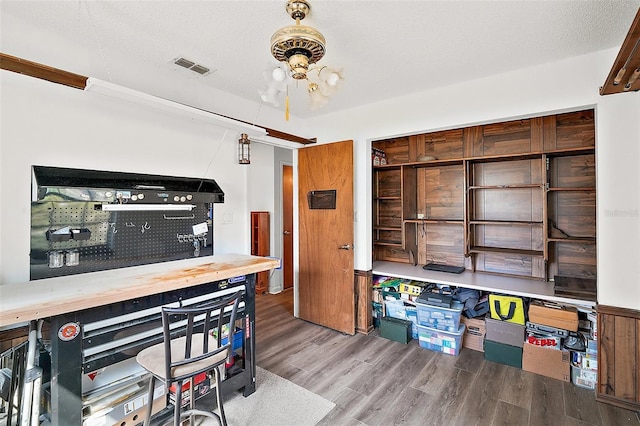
474, 333
554, 315
502, 353
505, 332
547, 362
396, 329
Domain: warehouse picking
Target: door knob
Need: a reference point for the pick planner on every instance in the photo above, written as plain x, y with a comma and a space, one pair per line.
287, 232
345, 247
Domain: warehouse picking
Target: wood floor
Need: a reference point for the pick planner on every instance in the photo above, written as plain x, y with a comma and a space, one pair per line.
375, 381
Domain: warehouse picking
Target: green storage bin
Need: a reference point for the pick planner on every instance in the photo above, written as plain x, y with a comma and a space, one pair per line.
503, 353
396, 329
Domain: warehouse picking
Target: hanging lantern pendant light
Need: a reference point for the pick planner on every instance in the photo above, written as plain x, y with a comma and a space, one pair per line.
244, 149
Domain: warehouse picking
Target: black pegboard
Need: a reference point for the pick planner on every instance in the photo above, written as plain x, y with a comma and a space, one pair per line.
117, 238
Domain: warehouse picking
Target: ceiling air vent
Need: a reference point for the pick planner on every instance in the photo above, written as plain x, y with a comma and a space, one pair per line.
190, 65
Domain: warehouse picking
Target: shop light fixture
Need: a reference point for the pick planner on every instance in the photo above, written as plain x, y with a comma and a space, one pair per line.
109, 89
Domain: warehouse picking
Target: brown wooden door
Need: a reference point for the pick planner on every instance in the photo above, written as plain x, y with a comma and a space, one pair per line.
287, 226
326, 283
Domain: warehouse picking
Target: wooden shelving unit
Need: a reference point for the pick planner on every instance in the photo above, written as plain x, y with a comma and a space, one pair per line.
514, 198
260, 246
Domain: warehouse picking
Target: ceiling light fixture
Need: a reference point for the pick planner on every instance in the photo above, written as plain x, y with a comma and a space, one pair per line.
298, 47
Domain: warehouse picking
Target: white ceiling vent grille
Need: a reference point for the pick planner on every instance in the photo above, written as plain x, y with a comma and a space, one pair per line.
192, 66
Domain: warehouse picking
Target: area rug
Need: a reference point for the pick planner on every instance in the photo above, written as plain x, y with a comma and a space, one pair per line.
276, 402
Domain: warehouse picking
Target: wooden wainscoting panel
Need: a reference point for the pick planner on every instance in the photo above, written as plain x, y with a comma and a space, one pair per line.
619, 357
364, 314
625, 357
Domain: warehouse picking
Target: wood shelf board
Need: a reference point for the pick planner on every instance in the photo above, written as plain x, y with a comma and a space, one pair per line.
480, 249
436, 221
575, 189
517, 186
389, 166
570, 151
489, 158
387, 243
434, 163
387, 228
531, 155
523, 287
504, 222
573, 240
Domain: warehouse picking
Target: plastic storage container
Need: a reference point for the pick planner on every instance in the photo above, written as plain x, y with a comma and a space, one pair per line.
583, 377
446, 319
395, 309
412, 315
441, 341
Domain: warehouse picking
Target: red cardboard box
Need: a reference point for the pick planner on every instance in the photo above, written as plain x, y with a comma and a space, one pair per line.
547, 341
546, 362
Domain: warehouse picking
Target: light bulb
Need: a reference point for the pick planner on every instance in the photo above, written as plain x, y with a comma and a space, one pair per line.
333, 79
278, 74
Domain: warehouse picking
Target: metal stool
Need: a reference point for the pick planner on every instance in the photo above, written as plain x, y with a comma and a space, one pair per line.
185, 353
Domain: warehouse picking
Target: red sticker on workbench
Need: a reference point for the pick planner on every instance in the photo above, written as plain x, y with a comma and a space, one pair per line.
69, 331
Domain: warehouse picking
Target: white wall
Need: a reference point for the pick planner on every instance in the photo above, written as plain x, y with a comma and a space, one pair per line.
565, 85
54, 125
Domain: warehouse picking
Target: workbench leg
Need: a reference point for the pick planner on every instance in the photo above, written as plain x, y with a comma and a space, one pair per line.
250, 340
66, 371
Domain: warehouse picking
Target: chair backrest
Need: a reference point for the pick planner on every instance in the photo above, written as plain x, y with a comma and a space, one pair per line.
194, 328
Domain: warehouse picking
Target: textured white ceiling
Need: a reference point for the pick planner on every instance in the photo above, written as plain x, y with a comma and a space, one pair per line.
385, 48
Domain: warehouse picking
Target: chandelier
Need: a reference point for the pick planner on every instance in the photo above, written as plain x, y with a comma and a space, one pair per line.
298, 48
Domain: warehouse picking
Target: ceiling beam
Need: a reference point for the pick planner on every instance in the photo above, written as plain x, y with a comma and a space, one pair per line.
77, 81
625, 72
44, 72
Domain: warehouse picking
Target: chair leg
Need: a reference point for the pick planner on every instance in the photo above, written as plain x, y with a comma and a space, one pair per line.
223, 419
192, 399
177, 406
152, 384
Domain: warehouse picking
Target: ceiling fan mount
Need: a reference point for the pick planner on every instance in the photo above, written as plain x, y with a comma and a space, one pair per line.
298, 47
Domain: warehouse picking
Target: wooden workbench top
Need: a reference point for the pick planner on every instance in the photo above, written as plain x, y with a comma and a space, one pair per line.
53, 296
